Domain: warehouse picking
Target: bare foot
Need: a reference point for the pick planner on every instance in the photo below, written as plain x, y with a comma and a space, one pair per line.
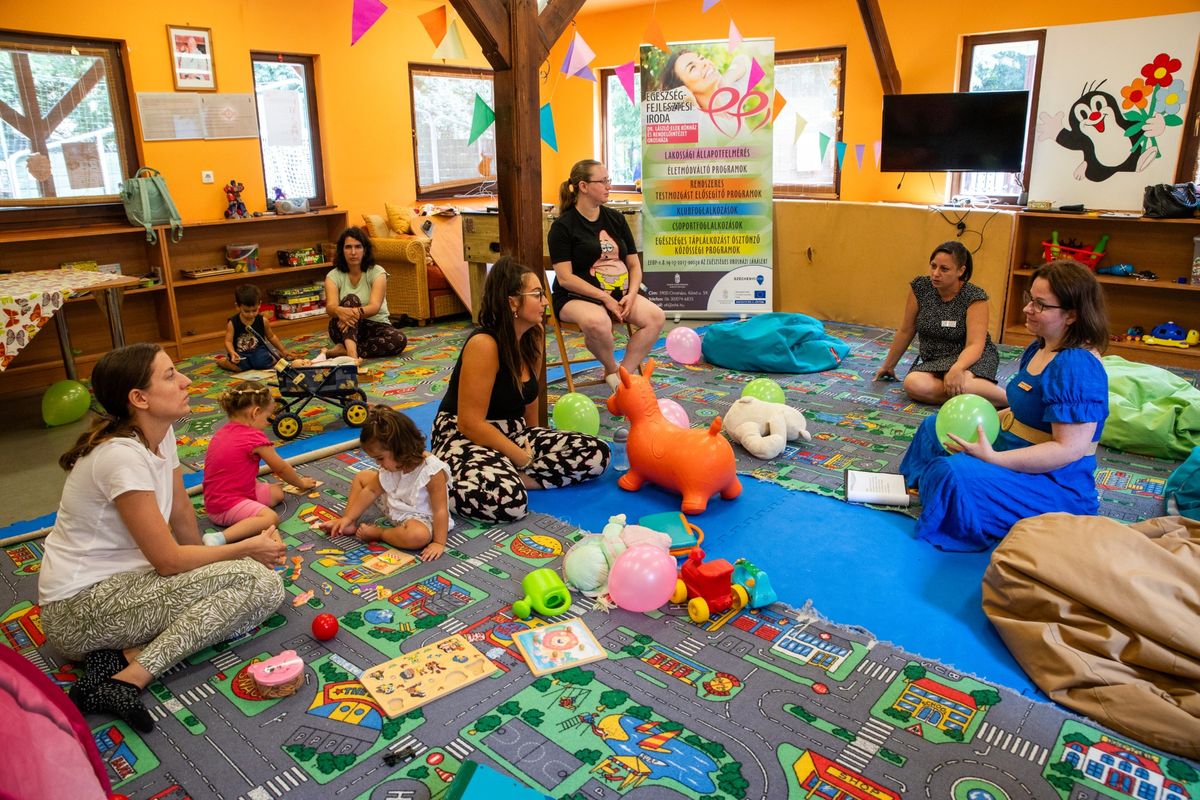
327, 528
369, 533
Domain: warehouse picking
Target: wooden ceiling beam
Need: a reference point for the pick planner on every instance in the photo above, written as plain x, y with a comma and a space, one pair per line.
554, 20
872, 18
488, 22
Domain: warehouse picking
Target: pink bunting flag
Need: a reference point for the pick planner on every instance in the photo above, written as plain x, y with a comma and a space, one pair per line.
878, 147
823, 142
756, 74
579, 55
859, 149
708, 4
625, 75
366, 14
841, 153
735, 36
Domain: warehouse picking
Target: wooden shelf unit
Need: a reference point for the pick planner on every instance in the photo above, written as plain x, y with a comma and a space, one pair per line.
1162, 246
184, 316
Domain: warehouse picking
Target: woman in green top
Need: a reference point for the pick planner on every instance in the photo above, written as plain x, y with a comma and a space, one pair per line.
356, 302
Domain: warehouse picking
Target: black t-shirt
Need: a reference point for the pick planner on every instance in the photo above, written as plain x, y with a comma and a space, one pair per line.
506, 401
589, 246
243, 340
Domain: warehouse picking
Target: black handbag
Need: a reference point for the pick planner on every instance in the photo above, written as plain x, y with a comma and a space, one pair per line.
1169, 200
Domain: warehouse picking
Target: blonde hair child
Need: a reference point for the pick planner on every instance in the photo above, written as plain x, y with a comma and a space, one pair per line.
414, 482
233, 496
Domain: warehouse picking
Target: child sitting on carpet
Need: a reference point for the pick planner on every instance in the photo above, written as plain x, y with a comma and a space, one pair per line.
247, 334
415, 482
233, 496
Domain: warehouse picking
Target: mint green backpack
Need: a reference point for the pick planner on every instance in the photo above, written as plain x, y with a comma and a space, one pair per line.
148, 203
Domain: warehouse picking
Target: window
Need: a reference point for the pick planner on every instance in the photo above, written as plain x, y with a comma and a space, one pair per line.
65, 132
286, 95
622, 120
811, 80
443, 105
1189, 158
993, 63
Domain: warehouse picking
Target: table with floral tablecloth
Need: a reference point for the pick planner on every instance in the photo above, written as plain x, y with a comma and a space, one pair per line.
31, 299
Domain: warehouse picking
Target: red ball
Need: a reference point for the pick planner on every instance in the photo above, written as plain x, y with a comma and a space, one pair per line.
324, 627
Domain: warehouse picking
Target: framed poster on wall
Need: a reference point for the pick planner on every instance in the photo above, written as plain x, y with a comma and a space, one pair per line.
192, 59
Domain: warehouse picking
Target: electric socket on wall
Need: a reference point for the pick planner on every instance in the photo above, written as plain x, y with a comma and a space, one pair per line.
206, 176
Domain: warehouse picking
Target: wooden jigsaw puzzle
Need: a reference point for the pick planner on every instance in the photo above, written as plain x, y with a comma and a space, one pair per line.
414, 679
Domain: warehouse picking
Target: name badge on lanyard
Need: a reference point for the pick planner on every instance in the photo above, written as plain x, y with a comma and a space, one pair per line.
1024, 386
949, 323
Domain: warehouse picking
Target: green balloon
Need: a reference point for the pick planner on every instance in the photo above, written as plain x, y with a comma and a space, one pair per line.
576, 412
764, 389
963, 414
65, 401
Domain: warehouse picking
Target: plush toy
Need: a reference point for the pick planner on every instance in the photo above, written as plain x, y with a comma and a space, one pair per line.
763, 428
587, 563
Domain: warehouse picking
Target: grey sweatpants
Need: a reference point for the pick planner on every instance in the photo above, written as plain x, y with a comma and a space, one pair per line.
172, 617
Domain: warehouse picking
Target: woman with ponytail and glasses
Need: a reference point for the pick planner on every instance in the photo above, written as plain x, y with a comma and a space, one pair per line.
486, 427
126, 583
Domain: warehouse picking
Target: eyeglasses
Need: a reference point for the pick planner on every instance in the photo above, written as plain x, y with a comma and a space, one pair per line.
538, 293
605, 181
1037, 304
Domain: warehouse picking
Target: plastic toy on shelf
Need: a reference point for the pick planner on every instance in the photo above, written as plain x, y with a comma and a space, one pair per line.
708, 587
1171, 335
1123, 270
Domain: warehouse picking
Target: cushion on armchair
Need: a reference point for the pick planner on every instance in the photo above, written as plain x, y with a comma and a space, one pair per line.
376, 226
398, 217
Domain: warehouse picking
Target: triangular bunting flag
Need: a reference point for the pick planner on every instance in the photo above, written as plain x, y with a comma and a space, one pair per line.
435, 24
654, 36
566, 67
822, 140
366, 13
841, 153
580, 55
451, 47
481, 118
625, 75
778, 104
548, 135
878, 147
586, 73
801, 124
709, 4
735, 37
756, 74
858, 153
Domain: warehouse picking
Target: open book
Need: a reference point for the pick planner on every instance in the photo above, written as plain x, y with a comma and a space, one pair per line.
881, 488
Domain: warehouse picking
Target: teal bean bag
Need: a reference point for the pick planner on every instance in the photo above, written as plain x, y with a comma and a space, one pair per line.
1182, 491
1150, 411
773, 342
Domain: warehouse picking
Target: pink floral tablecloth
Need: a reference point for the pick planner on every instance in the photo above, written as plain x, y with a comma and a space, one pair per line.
30, 300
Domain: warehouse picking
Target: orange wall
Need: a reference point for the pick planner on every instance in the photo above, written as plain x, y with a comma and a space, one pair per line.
925, 38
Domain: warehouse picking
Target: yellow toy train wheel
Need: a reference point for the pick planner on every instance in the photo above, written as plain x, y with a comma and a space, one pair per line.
740, 596
680, 593
698, 609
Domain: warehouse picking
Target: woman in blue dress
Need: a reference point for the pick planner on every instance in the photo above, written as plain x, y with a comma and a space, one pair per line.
1044, 459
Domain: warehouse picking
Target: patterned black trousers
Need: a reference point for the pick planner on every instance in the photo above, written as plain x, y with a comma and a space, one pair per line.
374, 339
487, 486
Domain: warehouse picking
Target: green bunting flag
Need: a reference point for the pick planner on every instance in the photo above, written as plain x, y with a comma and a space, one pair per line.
481, 119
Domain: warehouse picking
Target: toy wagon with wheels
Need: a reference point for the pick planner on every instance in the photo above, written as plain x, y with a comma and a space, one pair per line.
330, 383
708, 587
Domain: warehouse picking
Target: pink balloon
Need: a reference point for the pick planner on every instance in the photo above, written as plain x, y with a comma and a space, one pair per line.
674, 413
642, 578
683, 345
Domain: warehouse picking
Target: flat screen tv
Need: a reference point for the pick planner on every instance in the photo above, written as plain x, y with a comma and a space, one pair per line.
955, 132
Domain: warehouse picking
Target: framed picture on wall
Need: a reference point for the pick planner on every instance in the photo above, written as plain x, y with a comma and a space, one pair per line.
192, 58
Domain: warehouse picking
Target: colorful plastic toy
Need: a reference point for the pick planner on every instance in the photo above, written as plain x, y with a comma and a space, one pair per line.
233, 193
695, 462
545, 593
278, 676
757, 584
708, 587
324, 627
1116, 269
1171, 335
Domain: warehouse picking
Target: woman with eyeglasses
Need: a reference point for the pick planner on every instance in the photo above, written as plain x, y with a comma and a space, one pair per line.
948, 315
486, 427
1044, 459
598, 274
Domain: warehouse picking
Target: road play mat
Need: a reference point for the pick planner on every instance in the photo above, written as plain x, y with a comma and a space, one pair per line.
766, 703
858, 423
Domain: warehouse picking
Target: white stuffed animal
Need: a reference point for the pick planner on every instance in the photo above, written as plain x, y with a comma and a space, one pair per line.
763, 428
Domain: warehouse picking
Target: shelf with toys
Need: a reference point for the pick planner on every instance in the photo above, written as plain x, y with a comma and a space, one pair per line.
1162, 247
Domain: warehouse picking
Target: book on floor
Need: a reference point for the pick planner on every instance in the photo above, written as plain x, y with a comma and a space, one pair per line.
880, 488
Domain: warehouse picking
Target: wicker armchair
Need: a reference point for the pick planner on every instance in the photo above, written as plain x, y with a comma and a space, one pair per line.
416, 286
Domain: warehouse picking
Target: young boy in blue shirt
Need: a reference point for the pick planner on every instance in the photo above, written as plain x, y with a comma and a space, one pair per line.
247, 334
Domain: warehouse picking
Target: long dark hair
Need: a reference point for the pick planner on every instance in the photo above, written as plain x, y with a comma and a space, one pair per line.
506, 280
667, 78
960, 254
1078, 290
394, 432
117, 373
568, 190
359, 235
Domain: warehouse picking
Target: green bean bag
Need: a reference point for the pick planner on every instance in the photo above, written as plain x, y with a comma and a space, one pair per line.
1150, 411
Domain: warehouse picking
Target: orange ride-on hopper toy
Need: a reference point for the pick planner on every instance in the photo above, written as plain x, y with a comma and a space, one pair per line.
708, 587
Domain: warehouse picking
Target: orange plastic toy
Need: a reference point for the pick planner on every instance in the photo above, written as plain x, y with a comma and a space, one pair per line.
694, 462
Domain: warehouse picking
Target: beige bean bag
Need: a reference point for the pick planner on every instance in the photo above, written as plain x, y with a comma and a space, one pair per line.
1105, 618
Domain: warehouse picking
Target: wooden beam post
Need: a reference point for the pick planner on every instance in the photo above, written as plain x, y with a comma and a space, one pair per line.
872, 18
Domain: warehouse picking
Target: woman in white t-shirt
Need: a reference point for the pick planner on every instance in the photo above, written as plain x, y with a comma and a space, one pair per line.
126, 583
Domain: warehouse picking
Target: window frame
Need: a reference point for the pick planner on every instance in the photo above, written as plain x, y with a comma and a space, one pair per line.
970, 42
795, 191
1189, 154
309, 62
443, 191
605, 74
75, 211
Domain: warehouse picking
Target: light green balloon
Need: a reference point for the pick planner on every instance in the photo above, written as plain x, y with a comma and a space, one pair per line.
65, 401
764, 389
963, 414
576, 412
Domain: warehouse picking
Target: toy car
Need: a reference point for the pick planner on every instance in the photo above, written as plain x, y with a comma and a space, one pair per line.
708, 587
